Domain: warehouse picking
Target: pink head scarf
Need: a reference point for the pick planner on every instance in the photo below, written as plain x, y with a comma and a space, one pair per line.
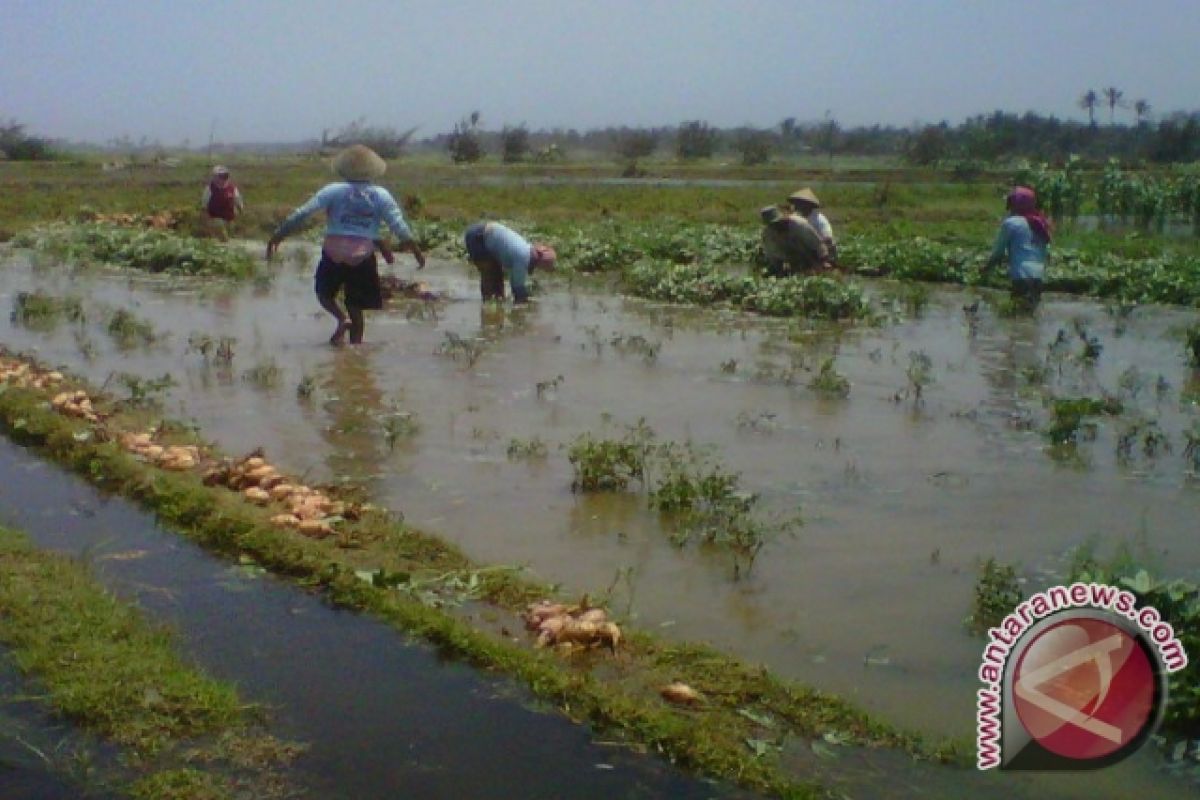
543, 256
1023, 202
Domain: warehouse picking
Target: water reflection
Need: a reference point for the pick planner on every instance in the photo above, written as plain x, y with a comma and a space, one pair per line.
355, 409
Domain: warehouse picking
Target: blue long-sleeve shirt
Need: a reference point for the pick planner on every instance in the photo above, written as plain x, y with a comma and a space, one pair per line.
1026, 252
505, 246
352, 209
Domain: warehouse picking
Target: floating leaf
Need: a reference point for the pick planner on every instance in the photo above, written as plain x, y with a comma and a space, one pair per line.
757, 717
760, 747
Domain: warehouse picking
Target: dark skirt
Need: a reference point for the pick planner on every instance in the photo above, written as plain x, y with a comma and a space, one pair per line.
474, 241
361, 282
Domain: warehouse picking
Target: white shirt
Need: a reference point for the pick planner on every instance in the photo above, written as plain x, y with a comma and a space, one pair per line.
818, 221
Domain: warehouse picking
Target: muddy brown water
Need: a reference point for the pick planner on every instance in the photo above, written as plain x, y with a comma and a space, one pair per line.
900, 499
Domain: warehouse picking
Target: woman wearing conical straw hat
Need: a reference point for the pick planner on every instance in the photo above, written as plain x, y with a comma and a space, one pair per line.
805, 204
355, 207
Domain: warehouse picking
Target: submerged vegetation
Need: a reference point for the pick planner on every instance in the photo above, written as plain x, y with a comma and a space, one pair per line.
378, 564
700, 499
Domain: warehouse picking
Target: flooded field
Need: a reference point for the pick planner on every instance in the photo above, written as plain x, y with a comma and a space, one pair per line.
901, 496
379, 715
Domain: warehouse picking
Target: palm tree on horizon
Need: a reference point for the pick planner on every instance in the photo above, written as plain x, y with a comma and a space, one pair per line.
1089, 101
1112, 96
1141, 109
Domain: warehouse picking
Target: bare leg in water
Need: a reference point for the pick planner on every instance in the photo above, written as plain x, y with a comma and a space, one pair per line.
357, 324
330, 304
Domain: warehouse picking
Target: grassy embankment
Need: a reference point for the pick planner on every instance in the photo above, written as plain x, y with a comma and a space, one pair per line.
101, 665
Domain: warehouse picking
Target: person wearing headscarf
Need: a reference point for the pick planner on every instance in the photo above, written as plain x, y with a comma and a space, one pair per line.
790, 244
1024, 241
222, 200
355, 209
806, 205
496, 249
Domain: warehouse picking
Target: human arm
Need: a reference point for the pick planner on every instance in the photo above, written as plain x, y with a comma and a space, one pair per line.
294, 221
238, 203
411, 246
394, 219
206, 196
1000, 248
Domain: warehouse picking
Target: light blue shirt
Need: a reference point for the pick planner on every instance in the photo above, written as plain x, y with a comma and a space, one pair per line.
352, 209
512, 251
508, 247
1026, 252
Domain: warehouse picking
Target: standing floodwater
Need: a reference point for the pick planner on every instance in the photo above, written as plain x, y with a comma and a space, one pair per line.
383, 717
901, 496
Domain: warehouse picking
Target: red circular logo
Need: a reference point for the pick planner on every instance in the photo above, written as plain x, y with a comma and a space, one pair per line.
1084, 688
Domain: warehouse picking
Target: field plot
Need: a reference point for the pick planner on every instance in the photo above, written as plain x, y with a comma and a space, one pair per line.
867, 470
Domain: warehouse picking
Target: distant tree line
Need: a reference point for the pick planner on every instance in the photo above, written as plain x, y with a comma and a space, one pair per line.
17, 145
984, 139
980, 140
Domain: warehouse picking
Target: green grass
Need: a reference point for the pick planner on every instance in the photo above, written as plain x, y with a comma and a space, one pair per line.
105, 668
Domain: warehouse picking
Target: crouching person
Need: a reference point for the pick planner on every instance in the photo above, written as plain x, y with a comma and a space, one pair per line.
790, 244
496, 249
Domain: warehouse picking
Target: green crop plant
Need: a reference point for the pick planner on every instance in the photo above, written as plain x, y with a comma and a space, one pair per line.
399, 425
138, 248
458, 348
997, 593
128, 330
144, 392
1069, 416
829, 381
636, 344
1191, 339
1146, 433
920, 374
266, 374
42, 311
526, 449
543, 388
707, 504
1178, 604
1191, 449
605, 464
306, 387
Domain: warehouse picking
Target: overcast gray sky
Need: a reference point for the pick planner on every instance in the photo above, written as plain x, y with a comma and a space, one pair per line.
282, 70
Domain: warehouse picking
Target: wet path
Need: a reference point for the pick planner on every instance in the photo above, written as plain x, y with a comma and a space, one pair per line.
385, 717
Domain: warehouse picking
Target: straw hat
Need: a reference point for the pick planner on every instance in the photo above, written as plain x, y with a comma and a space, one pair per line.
770, 214
805, 195
219, 170
359, 163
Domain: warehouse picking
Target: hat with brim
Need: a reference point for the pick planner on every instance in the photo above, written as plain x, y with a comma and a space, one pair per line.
359, 163
804, 196
770, 214
219, 171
